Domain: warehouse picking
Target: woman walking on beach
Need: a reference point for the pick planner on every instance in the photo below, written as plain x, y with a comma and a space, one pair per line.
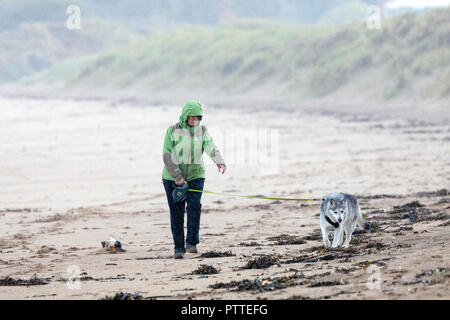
184, 145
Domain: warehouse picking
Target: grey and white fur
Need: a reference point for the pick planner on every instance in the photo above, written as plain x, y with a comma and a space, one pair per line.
341, 212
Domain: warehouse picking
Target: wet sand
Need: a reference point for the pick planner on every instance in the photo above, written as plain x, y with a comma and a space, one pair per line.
75, 172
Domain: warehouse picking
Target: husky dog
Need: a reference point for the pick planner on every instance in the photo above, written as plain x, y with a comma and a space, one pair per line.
340, 211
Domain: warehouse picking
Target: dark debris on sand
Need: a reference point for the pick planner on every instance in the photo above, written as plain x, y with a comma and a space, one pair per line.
376, 245
85, 277
374, 227
316, 235
316, 284
216, 254
250, 244
34, 281
439, 216
315, 255
437, 193
344, 270
261, 285
284, 239
271, 284
297, 297
205, 269
443, 200
379, 196
416, 212
430, 276
124, 296
422, 194
431, 272
262, 262
407, 207
445, 224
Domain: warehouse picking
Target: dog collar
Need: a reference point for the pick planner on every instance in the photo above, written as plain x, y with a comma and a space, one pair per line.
334, 224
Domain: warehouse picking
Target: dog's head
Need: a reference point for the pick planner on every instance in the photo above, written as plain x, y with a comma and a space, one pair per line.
338, 209
117, 245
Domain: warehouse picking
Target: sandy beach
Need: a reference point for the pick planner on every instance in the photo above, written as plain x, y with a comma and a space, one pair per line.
75, 172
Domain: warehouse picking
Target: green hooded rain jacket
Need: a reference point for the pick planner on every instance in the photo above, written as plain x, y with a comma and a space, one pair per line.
184, 147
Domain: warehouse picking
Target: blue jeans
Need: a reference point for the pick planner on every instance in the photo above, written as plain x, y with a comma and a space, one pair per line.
193, 207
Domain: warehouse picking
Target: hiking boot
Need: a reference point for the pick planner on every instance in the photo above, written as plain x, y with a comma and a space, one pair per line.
191, 248
178, 255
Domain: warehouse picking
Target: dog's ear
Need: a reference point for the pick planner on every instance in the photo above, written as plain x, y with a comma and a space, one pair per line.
332, 202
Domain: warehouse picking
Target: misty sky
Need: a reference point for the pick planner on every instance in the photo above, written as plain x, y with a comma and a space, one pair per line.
418, 3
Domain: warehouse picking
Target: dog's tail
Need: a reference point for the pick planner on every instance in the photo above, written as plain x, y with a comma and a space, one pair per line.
362, 223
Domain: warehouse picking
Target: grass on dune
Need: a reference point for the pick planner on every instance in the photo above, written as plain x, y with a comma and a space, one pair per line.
316, 60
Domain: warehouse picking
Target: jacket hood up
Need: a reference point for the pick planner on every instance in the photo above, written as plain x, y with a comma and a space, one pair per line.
191, 108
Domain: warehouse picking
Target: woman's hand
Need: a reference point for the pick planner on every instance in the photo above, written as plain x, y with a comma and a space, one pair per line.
180, 181
222, 167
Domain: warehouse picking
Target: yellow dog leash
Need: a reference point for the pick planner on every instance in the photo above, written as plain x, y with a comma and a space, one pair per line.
253, 197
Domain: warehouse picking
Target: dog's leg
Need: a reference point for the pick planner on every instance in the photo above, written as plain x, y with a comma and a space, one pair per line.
326, 241
341, 236
338, 234
348, 234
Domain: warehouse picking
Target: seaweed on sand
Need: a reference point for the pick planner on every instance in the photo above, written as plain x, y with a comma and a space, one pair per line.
316, 284
205, 269
250, 244
34, 281
262, 262
374, 228
316, 235
328, 255
284, 239
445, 224
431, 276
261, 285
216, 254
437, 193
124, 296
415, 212
407, 207
271, 284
